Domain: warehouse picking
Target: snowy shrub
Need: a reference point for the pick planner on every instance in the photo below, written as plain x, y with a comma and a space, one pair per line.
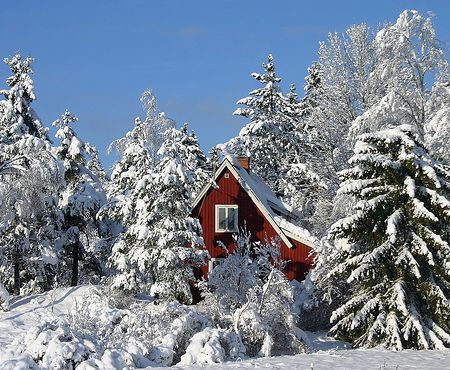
213, 346
235, 276
249, 294
158, 333
204, 348
95, 335
53, 345
266, 322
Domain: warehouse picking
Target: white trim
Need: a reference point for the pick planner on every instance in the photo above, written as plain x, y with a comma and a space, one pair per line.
217, 228
203, 192
296, 237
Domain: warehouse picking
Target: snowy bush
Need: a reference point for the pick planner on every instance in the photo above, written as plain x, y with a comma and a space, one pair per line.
213, 346
266, 322
53, 345
249, 294
96, 335
148, 332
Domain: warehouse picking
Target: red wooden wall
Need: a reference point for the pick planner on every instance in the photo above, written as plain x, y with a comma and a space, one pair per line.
231, 192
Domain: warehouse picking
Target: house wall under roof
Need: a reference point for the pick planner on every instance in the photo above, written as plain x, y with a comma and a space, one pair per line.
230, 192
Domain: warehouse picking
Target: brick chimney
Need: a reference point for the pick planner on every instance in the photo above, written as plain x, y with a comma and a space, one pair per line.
244, 162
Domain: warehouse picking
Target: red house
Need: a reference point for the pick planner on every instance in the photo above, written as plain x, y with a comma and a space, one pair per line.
238, 198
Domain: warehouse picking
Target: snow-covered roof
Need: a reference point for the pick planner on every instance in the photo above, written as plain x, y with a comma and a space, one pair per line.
281, 216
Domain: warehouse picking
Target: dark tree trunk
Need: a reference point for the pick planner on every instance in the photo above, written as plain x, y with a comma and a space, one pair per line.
75, 259
16, 272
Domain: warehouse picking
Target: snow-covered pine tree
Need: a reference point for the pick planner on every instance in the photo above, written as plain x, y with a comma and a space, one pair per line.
128, 174
94, 164
154, 244
30, 220
151, 131
280, 142
401, 61
80, 200
305, 185
304, 182
268, 134
394, 249
174, 236
313, 89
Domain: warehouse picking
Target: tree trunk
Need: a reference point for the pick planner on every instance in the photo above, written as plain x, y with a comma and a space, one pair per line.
16, 272
75, 259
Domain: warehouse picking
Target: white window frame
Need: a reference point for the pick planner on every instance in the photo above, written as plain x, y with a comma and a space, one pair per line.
216, 221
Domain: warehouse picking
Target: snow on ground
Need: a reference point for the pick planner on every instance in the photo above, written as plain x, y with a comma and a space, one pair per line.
326, 353
26, 312
345, 360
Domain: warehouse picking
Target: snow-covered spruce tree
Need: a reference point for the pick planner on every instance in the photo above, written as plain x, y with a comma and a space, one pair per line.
31, 176
312, 89
394, 249
279, 142
269, 133
155, 250
174, 236
134, 166
80, 200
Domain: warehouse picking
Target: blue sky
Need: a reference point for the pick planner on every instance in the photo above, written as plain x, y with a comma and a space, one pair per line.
96, 57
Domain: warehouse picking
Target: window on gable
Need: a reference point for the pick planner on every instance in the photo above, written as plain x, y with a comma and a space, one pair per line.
226, 218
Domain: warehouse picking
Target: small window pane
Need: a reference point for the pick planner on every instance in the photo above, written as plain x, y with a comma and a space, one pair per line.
222, 219
232, 215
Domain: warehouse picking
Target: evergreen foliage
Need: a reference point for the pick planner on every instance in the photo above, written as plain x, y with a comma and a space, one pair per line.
280, 145
80, 200
155, 250
30, 179
396, 253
